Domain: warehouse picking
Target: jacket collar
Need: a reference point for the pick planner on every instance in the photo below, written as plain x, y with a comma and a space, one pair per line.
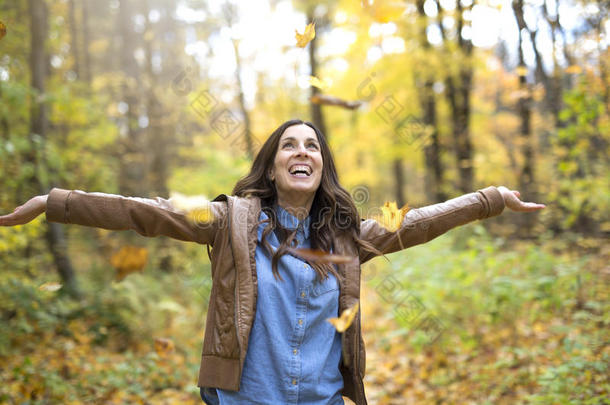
289, 221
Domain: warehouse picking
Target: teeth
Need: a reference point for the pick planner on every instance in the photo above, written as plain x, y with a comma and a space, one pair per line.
300, 168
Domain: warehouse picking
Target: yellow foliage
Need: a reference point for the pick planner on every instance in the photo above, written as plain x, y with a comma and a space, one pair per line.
2, 30
384, 11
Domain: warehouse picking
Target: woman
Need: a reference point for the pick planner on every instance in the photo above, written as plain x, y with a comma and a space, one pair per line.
266, 339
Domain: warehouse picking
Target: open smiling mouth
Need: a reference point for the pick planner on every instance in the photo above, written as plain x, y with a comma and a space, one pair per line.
300, 170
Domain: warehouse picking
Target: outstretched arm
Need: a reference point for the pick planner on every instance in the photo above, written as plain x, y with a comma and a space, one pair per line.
421, 225
148, 217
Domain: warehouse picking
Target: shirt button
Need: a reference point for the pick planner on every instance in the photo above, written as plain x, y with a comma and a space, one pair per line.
294, 382
294, 351
300, 322
303, 294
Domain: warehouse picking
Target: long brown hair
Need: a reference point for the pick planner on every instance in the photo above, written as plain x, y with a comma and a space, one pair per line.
333, 212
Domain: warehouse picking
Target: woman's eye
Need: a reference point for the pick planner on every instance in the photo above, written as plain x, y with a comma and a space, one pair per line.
287, 145
313, 146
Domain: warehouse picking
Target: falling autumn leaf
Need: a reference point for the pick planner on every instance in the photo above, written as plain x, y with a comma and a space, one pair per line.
346, 318
196, 208
50, 286
384, 11
306, 37
391, 217
521, 70
320, 83
573, 69
320, 256
129, 259
2, 30
325, 99
164, 346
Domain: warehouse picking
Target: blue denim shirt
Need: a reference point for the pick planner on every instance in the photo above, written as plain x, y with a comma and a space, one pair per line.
293, 354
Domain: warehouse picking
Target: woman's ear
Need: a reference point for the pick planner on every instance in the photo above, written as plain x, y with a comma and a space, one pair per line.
271, 175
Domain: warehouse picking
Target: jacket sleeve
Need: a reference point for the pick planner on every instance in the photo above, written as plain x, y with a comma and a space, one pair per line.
148, 217
421, 225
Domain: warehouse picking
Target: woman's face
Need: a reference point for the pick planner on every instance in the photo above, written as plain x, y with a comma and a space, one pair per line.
297, 168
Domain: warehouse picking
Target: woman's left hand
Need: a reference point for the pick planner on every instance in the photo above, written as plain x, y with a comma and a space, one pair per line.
512, 201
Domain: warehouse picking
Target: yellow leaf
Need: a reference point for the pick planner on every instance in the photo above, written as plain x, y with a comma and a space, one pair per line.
391, 217
521, 70
320, 83
384, 11
200, 215
346, 318
196, 208
127, 260
2, 30
164, 346
50, 286
304, 38
573, 69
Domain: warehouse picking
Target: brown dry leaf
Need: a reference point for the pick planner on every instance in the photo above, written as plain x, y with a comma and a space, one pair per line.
306, 37
320, 256
127, 260
164, 346
50, 286
346, 318
391, 217
325, 99
2, 30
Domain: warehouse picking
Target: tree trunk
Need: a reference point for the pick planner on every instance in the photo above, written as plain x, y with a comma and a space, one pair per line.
74, 38
133, 162
86, 41
399, 176
242, 103
458, 92
38, 135
432, 151
159, 133
524, 108
316, 109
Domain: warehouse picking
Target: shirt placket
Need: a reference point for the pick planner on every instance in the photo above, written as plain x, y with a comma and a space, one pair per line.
295, 378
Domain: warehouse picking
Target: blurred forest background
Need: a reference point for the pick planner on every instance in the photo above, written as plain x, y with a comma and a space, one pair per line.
421, 101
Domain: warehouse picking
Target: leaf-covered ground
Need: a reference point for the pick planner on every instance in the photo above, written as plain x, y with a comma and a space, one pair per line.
521, 324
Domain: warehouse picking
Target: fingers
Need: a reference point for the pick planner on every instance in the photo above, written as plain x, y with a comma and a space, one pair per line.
11, 219
529, 207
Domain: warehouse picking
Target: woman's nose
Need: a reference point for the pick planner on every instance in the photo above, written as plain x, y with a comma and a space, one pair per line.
301, 149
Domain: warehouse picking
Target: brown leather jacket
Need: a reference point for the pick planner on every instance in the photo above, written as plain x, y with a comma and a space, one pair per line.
232, 235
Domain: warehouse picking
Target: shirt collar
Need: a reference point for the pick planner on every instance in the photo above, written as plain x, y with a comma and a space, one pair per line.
289, 221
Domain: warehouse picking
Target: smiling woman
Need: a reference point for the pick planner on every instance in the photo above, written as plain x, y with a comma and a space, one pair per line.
266, 339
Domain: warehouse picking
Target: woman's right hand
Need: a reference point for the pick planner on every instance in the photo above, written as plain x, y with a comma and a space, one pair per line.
26, 212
